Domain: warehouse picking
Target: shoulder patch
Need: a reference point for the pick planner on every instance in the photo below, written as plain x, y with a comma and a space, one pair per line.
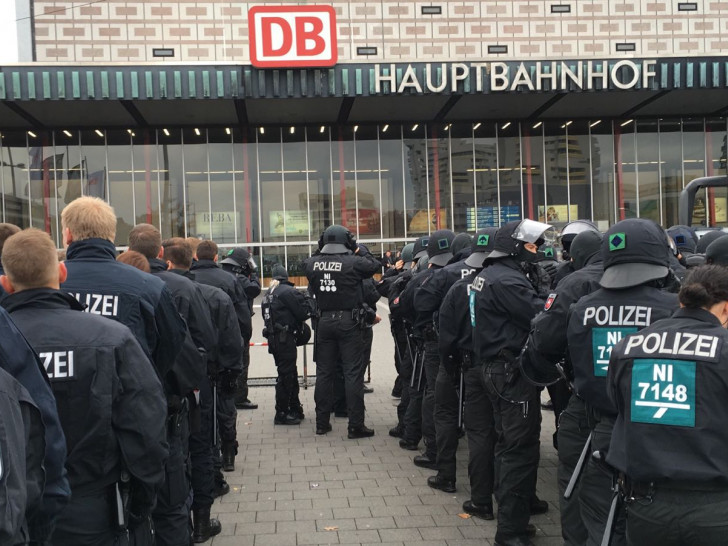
550, 301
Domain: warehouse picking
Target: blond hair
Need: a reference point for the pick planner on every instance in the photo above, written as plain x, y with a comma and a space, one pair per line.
30, 260
194, 242
89, 217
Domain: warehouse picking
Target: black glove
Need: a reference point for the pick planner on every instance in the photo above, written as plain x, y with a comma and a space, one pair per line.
550, 267
227, 381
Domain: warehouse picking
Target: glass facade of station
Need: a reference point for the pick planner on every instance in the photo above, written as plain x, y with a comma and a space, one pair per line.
274, 189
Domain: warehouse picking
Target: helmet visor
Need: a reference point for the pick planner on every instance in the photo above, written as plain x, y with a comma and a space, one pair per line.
530, 231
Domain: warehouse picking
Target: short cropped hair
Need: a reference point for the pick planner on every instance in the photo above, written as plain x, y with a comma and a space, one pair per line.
194, 242
6, 230
145, 239
206, 250
89, 217
178, 251
135, 259
30, 259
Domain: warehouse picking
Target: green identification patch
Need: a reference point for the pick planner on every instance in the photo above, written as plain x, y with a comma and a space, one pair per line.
663, 392
617, 241
549, 252
443, 244
230, 251
483, 239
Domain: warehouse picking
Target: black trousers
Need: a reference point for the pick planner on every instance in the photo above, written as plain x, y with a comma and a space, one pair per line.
572, 433
413, 413
241, 392
226, 418
405, 369
447, 405
518, 427
284, 350
171, 514
203, 481
339, 339
367, 337
480, 429
432, 365
87, 521
679, 517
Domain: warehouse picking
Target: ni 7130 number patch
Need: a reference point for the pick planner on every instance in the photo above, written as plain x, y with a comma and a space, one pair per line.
663, 392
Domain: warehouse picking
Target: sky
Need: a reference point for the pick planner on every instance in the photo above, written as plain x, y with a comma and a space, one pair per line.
8, 32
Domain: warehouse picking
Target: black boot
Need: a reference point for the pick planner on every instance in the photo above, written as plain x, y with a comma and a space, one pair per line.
282, 418
229, 450
221, 487
205, 528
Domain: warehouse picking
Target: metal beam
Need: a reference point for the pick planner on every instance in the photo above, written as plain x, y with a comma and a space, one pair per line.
135, 113
23, 114
644, 103
545, 106
345, 110
451, 102
241, 111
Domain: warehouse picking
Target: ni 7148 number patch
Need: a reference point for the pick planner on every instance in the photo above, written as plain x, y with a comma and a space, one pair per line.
663, 392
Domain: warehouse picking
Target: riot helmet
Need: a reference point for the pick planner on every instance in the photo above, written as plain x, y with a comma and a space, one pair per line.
634, 252
481, 247
512, 237
239, 258
420, 248
421, 265
461, 242
407, 255
707, 238
279, 273
439, 247
585, 245
717, 252
337, 239
686, 240
572, 229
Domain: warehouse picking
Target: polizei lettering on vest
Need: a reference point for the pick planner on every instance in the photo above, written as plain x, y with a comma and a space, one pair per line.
99, 304
58, 364
623, 315
327, 266
673, 344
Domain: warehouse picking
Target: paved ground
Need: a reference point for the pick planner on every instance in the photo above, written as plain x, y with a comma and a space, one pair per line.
291, 487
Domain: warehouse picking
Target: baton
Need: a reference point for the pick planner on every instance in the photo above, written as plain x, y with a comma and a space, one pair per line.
414, 368
578, 468
461, 398
422, 369
612, 516
214, 412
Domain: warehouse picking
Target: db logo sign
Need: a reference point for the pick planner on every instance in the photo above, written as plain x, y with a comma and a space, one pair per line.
290, 36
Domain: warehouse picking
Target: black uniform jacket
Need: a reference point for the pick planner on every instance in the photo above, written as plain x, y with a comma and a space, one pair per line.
335, 279
502, 304
456, 331
132, 297
110, 401
428, 298
669, 384
597, 322
394, 292
208, 272
288, 306
228, 351
547, 342
406, 301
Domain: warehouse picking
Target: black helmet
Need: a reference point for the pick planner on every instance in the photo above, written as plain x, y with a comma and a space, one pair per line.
585, 245
572, 229
461, 242
439, 247
510, 234
420, 249
407, 255
707, 238
717, 252
239, 257
337, 240
481, 247
635, 252
279, 273
421, 264
686, 240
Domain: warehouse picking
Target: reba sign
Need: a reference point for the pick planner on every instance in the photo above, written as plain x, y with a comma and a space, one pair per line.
292, 36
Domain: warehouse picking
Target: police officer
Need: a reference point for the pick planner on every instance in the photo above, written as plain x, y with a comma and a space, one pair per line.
717, 252
403, 306
447, 378
284, 311
708, 238
669, 384
502, 303
110, 401
568, 234
391, 286
546, 348
636, 258
241, 264
335, 277
456, 367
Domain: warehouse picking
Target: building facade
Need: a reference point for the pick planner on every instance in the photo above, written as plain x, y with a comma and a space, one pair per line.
428, 115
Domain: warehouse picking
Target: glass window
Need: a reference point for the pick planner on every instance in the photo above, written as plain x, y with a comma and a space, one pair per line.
146, 176
510, 174
439, 176
601, 159
556, 165
463, 177
14, 179
419, 210
197, 184
366, 177
392, 182
580, 184
121, 182
172, 189
295, 175
68, 174
42, 184
223, 212
626, 169
715, 146
246, 185
271, 188
648, 170
343, 161
693, 136
534, 198
486, 200
318, 150
670, 169
270, 256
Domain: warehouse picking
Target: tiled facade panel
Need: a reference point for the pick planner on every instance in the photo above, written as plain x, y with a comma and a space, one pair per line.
217, 30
